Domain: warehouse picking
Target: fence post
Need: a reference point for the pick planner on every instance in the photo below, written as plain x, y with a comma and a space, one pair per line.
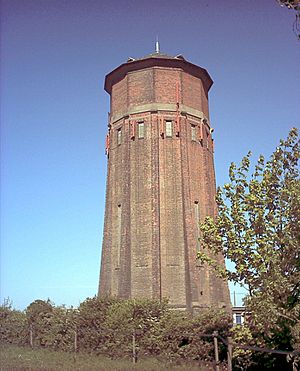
133, 347
75, 339
215, 335
31, 336
229, 353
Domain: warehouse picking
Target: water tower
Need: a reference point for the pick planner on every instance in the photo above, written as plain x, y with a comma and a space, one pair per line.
160, 183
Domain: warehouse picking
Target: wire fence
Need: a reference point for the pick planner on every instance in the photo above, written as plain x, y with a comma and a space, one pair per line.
231, 345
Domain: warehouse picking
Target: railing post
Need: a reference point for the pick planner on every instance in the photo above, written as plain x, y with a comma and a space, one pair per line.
229, 353
215, 335
31, 336
133, 347
75, 339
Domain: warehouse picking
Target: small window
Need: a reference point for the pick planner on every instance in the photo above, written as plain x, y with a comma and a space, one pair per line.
119, 136
193, 132
119, 234
238, 319
141, 130
197, 219
169, 129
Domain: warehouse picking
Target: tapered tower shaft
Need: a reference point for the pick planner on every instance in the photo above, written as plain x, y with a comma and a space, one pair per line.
160, 184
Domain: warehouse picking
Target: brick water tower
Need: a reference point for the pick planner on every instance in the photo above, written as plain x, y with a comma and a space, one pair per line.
160, 183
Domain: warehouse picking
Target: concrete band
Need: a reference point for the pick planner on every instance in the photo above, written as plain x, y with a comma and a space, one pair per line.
150, 107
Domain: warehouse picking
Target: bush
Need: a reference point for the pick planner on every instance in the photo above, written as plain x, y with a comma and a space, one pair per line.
12, 325
138, 318
183, 336
90, 319
109, 326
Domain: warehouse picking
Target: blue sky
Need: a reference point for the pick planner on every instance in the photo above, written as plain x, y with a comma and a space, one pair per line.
55, 55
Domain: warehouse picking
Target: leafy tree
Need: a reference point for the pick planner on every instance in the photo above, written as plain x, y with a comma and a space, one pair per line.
36, 314
90, 322
57, 329
186, 337
138, 318
294, 5
291, 4
38, 309
12, 324
258, 229
242, 358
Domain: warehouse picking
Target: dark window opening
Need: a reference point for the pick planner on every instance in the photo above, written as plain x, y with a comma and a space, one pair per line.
197, 220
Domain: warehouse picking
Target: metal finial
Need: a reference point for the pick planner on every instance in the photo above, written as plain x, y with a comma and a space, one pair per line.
157, 45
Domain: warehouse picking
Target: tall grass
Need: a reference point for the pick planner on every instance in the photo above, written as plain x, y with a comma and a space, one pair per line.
21, 358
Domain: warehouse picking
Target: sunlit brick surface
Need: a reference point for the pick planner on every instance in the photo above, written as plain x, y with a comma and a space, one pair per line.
154, 182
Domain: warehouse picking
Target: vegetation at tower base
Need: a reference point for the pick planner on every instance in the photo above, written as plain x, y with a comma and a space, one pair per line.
106, 326
12, 324
258, 229
52, 327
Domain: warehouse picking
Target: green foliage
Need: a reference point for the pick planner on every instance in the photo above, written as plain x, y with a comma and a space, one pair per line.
12, 324
258, 229
108, 325
243, 336
183, 336
37, 315
37, 310
56, 329
139, 318
90, 319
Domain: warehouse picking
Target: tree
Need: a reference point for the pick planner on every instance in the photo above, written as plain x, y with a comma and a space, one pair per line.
187, 337
258, 229
57, 328
133, 326
294, 5
291, 4
37, 313
90, 321
12, 324
37, 309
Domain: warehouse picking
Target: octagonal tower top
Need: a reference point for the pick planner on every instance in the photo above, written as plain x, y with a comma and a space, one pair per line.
157, 59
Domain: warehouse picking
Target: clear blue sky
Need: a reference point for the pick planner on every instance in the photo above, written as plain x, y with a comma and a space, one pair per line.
55, 55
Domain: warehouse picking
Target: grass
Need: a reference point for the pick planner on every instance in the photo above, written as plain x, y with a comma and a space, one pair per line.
21, 359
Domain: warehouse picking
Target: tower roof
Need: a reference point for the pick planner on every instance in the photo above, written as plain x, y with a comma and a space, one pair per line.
157, 59
159, 55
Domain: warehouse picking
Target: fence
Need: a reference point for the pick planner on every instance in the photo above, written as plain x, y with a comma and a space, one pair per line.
230, 345
215, 335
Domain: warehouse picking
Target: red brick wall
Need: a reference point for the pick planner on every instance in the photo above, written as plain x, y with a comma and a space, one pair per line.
158, 84
140, 87
119, 96
165, 84
157, 180
193, 94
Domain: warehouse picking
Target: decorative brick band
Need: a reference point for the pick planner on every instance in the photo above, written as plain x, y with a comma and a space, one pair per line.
152, 107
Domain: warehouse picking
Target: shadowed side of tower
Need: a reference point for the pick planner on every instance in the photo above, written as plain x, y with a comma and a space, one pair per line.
160, 183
